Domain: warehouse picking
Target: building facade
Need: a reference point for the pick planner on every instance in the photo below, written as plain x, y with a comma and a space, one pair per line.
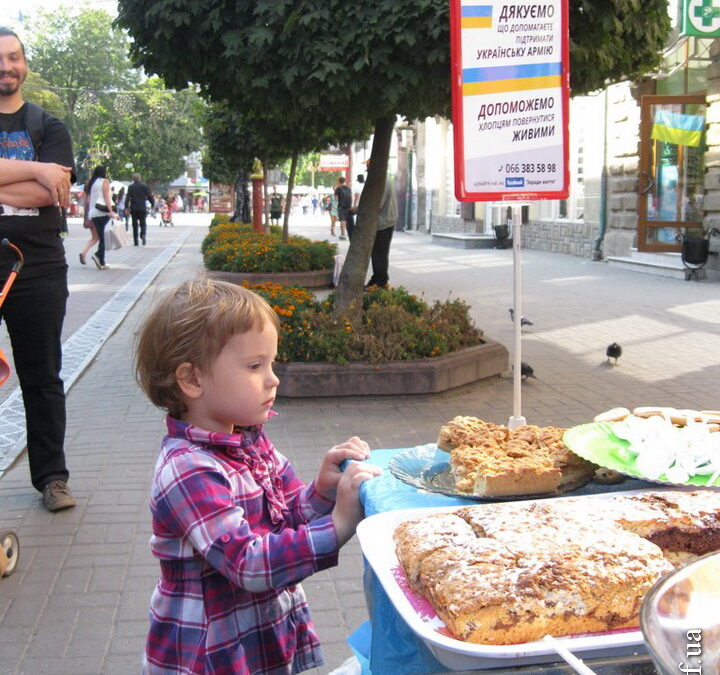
644, 165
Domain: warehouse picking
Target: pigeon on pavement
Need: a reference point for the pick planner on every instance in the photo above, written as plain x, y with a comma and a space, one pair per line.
526, 371
523, 320
614, 351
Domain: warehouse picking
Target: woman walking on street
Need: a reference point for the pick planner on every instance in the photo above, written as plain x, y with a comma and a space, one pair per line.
122, 211
99, 208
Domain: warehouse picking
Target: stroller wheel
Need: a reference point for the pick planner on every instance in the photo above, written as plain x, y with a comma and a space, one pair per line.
9, 553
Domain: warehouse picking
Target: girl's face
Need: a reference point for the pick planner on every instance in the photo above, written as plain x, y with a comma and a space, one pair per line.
240, 386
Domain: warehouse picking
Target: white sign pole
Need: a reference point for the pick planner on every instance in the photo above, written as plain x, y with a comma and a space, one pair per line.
517, 419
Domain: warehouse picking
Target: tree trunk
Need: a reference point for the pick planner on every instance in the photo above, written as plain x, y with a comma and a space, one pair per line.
245, 212
237, 215
352, 278
266, 207
288, 197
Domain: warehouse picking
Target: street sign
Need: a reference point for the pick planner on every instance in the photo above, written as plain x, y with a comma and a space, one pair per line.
510, 95
222, 198
701, 18
334, 162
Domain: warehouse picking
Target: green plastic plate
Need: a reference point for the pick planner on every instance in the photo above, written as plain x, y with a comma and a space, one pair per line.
597, 443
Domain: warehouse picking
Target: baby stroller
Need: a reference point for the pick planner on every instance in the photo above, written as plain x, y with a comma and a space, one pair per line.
166, 216
9, 545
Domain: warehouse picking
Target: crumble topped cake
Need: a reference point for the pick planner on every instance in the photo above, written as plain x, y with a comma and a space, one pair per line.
510, 573
490, 460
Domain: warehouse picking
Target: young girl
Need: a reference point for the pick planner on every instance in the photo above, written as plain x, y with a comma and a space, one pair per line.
234, 528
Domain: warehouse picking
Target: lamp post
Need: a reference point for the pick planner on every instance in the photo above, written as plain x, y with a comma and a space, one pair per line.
313, 166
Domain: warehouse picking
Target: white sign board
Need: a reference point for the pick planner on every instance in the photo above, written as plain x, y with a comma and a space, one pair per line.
510, 99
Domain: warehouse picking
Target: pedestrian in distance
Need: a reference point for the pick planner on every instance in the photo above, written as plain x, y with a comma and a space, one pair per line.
100, 209
121, 210
357, 193
234, 527
36, 171
275, 207
138, 195
343, 198
380, 256
332, 210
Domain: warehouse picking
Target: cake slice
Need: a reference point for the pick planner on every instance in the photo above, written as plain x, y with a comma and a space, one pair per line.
463, 430
514, 468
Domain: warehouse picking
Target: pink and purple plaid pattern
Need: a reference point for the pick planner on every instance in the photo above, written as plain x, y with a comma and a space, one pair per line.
235, 531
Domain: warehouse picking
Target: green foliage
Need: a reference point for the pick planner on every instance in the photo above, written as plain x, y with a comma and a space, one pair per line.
395, 326
151, 132
82, 57
37, 90
232, 247
383, 61
306, 175
219, 218
611, 40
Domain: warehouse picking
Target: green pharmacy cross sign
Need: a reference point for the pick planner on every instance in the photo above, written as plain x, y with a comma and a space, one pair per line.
701, 18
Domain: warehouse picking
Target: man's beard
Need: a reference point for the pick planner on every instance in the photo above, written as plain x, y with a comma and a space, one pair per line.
10, 88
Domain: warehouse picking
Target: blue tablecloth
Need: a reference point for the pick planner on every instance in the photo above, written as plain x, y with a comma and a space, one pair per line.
386, 645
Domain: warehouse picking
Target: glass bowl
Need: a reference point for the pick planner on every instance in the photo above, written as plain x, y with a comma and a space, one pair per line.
680, 618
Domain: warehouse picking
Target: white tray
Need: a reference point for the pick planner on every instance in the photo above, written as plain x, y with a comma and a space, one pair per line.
376, 539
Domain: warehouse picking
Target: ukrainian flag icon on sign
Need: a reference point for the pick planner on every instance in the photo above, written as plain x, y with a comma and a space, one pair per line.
678, 128
476, 16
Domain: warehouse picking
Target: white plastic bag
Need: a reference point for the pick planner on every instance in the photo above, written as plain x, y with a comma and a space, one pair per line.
115, 236
339, 262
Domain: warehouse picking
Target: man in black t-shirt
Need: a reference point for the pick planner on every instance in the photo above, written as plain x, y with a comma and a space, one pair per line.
343, 195
34, 186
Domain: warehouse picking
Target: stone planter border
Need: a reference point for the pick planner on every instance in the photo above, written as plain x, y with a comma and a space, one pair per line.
422, 376
311, 279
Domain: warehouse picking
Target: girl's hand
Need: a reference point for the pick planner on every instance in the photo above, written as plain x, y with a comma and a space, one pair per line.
330, 472
348, 511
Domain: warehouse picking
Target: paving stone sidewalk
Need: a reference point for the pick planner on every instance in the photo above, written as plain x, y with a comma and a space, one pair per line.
78, 602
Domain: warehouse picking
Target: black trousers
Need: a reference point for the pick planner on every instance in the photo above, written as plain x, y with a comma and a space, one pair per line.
380, 257
33, 313
138, 223
100, 224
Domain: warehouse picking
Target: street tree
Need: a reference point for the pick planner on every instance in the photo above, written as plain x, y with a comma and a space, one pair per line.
232, 144
150, 131
358, 61
281, 135
115, 116
37, 90
82, 56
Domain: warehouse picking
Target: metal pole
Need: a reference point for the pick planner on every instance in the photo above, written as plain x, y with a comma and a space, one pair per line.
515, 226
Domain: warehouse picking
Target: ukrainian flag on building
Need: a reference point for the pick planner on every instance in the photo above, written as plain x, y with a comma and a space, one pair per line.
678, 128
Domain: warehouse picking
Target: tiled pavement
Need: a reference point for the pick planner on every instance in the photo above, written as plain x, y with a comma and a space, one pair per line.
78, 602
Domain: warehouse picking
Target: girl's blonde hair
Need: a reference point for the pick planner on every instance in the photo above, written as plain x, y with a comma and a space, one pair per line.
191, 324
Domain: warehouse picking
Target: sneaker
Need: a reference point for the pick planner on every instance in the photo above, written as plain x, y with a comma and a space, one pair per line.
82, 260
342, 237
97, 262
56, 496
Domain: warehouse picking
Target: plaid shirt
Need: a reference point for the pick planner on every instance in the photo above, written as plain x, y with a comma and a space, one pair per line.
235, 531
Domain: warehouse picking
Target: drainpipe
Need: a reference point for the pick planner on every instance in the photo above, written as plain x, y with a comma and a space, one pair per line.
602, 216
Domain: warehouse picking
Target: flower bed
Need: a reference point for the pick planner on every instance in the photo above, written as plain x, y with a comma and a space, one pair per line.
396, 326
235, 247
402, 346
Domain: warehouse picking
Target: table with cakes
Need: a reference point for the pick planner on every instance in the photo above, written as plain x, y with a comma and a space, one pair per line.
546, 550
